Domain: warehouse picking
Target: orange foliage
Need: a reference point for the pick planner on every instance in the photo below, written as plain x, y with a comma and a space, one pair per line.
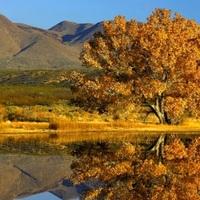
155, 64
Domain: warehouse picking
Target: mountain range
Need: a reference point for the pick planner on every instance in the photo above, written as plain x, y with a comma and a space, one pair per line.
26, 47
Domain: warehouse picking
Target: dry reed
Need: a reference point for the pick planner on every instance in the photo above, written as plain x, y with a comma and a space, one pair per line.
83, 127
69, 125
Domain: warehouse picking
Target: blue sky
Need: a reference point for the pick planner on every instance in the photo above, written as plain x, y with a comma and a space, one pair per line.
47, 13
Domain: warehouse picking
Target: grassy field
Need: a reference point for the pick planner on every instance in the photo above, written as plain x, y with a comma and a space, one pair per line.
32, 101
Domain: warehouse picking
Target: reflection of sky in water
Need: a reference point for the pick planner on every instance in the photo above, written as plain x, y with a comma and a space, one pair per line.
43, 196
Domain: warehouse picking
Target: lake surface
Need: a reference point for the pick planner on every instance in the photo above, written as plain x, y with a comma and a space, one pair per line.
40, 169
35, 169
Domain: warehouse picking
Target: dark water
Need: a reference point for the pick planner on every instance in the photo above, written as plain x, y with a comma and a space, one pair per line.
44, 169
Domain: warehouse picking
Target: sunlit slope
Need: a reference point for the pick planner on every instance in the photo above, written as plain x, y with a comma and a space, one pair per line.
26, 47
76, 34
33, 49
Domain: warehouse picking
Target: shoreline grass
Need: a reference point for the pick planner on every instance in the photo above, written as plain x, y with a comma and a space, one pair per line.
68, 131
94, 126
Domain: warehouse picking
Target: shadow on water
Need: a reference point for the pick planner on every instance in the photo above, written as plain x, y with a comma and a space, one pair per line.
100, 166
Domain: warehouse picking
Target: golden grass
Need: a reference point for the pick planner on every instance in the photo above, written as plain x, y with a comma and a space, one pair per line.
67, 131
66, 125
19, 127
69, 125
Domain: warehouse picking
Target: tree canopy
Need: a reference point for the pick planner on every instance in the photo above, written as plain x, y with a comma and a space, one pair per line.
153, 64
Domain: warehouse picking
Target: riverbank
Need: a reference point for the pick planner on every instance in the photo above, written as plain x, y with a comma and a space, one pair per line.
93, 126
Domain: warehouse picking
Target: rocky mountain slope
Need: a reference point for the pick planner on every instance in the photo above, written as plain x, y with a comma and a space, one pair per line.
76, 34
26, 47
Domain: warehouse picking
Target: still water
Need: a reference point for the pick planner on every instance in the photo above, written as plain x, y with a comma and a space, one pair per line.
53, 169
35, 169
43, 196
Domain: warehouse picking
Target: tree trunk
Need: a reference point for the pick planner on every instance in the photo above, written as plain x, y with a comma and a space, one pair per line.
158, 110
161, 117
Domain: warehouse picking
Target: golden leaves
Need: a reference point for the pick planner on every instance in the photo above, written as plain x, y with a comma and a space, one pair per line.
151, 87
175, 106
157, 59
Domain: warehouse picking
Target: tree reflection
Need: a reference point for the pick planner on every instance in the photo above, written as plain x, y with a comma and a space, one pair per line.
129, 171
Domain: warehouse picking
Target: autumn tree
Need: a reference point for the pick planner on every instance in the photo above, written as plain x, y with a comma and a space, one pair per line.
153, 64
127, 173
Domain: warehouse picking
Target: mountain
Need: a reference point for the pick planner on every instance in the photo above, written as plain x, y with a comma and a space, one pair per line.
76, 34
71, 28
26, 47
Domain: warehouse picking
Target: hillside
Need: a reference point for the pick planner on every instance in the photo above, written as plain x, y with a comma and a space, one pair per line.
76, 34
26, 47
